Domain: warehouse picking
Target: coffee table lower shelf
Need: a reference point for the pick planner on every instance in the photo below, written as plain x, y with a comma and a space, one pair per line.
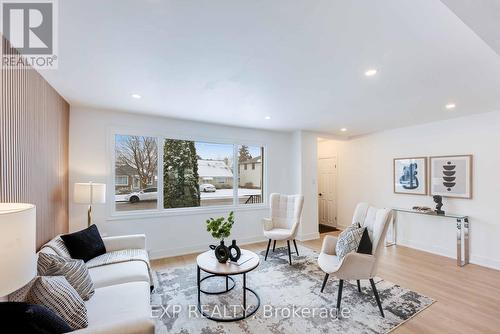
228, 278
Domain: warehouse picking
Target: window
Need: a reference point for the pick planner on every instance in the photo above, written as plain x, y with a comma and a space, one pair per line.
151, 181
250, 189
195, 174
135, 157
136, 183
121, 180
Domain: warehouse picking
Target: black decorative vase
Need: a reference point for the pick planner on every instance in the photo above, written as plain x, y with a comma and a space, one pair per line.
234, 252
221, 252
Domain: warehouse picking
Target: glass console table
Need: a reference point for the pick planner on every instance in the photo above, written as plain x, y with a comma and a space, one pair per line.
462, 231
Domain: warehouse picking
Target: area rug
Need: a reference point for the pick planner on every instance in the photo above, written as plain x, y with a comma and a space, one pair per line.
291, 301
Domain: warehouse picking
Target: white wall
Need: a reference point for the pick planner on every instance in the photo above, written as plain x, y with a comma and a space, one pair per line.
90, 160
327, 148
305, 145
365, 174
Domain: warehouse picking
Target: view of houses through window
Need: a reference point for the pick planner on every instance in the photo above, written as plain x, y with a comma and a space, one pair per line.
136, 173
250, 174
194, 173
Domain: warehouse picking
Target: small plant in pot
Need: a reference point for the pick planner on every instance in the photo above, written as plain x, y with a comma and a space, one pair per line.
220, 228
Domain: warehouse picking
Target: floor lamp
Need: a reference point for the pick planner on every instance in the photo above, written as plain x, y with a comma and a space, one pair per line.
89, 193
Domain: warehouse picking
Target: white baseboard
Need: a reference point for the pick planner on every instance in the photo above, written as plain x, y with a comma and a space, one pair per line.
163, 253
474, 259
342, 227
308, 236
485, 262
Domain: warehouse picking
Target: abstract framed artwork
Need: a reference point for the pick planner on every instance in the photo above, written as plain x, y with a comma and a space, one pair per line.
410, 176
451, 176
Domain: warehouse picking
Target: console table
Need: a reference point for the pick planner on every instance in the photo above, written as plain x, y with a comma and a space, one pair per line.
462, 232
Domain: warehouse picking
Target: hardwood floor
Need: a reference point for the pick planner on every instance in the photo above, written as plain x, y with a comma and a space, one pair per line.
467, 298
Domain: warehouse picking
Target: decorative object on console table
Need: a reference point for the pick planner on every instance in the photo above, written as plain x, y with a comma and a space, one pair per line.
423, 209
439, 204
451, 176
410, 176
17, 246
220, 228
89, 193
234, 256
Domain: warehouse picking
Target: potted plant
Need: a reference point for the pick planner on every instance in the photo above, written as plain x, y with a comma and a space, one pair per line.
220, 228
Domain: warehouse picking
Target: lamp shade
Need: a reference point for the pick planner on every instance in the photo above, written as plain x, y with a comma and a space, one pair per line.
17, 246
89, 193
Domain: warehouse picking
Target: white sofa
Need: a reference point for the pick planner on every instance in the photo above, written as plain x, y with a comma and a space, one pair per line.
121, 302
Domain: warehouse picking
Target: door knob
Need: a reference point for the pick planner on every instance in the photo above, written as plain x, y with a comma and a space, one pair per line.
320, 194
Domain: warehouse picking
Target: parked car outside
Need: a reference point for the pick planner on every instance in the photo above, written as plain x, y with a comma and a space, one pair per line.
148, 194
207, 188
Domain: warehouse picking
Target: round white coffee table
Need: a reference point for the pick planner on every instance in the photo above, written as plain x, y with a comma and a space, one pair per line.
209, 264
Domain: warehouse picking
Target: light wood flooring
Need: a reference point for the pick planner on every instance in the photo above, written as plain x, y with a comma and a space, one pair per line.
467, 298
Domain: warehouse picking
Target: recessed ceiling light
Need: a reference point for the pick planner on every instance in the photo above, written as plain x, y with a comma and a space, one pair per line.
371, 72
450, 106
343, 129
267, 117
136, 96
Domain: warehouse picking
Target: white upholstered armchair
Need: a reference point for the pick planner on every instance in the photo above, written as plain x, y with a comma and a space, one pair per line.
286, 211
356, 266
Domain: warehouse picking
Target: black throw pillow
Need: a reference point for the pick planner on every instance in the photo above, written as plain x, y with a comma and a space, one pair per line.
365, 245
33, 319
85, 244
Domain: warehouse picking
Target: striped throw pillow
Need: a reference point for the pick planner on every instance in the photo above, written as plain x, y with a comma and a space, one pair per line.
58, 246
55, 293
75, 271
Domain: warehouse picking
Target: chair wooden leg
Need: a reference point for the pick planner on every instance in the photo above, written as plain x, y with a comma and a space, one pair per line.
324, 282
339, 295
296, 249
377, 298
359, 285
267, 250
289, 252
274, 245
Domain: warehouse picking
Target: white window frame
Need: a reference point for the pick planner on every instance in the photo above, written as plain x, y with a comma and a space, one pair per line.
122, 184
113, 214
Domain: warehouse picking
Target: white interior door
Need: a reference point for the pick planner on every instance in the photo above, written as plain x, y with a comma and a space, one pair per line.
327, 191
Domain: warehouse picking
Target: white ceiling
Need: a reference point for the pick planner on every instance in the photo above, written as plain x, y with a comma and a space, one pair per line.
301, 62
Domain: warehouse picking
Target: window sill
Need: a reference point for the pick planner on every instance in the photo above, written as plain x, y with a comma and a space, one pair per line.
185, 212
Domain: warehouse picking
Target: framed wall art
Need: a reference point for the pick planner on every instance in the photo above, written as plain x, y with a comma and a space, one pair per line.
451, 176
410, 176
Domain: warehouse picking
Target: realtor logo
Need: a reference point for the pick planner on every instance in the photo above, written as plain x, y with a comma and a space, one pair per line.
30, 27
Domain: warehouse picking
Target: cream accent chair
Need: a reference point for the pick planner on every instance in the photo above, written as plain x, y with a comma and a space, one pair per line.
356, 266
286, 211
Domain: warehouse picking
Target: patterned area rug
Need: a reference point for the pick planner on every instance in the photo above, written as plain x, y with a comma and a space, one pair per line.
291, 301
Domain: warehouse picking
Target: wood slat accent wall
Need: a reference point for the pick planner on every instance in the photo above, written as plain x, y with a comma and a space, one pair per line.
34, 125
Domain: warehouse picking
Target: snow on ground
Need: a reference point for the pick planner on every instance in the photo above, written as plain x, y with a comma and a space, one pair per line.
120, 198
219, 193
